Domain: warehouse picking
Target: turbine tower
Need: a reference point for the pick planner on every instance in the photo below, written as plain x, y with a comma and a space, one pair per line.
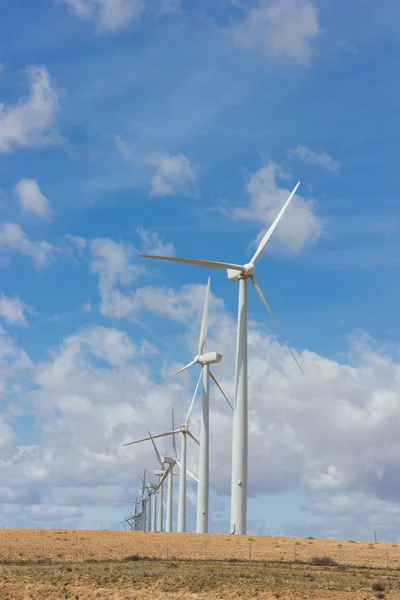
160, 489
241, 273
204, 359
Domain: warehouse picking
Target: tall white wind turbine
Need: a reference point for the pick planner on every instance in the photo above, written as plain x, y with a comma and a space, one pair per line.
204, 359
241, 273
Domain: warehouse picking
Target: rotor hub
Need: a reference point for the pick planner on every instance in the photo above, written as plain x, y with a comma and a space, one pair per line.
248, 271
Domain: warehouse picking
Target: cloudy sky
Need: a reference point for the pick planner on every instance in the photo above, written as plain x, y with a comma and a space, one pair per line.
179, 127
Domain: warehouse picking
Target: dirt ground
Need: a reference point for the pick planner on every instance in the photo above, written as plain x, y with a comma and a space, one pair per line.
145, 580
109, 565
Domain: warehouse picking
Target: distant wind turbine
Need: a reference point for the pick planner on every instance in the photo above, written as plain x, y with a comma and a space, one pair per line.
184, 430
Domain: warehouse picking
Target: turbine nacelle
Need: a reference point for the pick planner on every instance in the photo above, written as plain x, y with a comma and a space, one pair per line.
209, 358
168, 460
235, 275
158, 472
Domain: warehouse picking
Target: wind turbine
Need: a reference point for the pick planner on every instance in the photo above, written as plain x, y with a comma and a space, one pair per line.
160, 488
204, 359
241, 273
184, 430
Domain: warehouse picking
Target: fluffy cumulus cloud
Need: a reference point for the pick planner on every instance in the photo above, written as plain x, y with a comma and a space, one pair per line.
114, 265
153, 244
15, 368
14, 239
319, 159
32, 121
299, 227
322, 431
113, 15
31, 199
281, 29
13, 310
174, 175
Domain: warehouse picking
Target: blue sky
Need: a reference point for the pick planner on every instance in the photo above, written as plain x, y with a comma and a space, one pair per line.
179, 127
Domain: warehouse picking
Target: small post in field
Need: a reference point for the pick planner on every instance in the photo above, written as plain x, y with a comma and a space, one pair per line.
83, 551
249, 550
387, 559
166, 547
294, 552
41, 553
205, 550
339, 548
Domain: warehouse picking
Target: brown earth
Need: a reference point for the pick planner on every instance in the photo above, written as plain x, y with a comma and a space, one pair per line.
58, 564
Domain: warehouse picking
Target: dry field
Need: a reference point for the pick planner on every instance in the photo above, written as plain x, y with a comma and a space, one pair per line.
75, 545
52, 565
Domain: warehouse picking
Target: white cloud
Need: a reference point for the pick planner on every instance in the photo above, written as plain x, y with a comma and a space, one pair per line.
32, 121
85, 410
114, 15
124, 149
112, 262
181, 305
153, 244
281, 29
321, 159
31, 198
174, 175
15, 367
13, 310
299, 226
14, 239
7, 435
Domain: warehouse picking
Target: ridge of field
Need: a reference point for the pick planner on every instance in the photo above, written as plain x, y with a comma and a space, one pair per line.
60, 545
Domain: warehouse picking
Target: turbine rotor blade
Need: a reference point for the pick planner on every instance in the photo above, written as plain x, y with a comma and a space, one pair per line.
219, 387
194, 362
153, 437
272, 228
164, 477
193, 398
138, 476
201, 263
193, 438
173, 437
188, 472
204, 322
271, 314
156, 451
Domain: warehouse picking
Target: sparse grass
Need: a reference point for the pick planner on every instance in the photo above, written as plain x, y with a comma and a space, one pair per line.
378, 586
324, 561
